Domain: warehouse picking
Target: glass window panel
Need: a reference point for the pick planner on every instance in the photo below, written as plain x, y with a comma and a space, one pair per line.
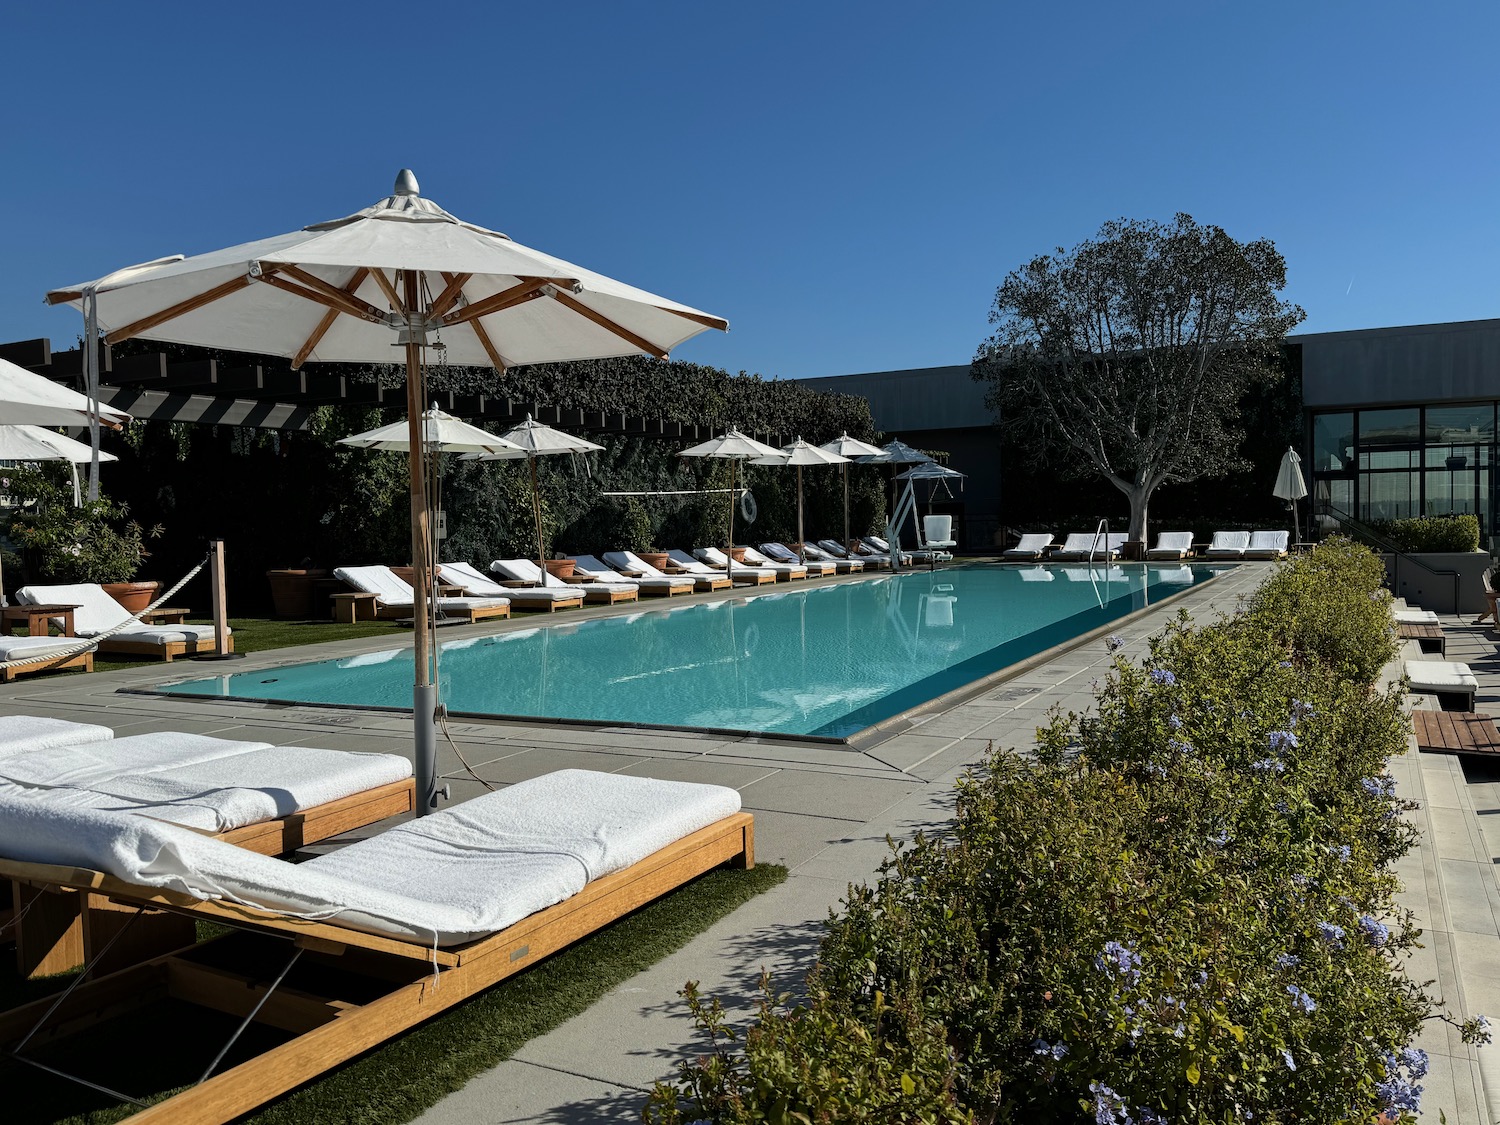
1388, 459
1332, 501
1390, 427
1333, 442
1388, 496
1471, 425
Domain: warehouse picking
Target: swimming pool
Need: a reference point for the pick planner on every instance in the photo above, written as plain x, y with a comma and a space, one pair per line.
826, 661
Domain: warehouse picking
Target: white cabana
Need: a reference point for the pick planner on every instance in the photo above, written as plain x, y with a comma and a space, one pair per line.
401, 272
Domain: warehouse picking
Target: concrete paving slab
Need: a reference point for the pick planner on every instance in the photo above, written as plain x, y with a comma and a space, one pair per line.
850, 798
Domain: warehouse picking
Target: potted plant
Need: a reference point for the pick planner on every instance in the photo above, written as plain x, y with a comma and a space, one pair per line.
561, 568
94, 542
653, 557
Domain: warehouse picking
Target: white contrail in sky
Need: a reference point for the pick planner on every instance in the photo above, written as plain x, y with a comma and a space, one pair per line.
1351, 286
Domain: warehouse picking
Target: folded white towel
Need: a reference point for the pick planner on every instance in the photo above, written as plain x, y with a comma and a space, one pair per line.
87, 764
24, 734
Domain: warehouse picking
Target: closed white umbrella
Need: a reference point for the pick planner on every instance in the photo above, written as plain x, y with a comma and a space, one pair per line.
27, 398
393, 274
734, 447
800, 453
1290, 486
531, 440
850, 449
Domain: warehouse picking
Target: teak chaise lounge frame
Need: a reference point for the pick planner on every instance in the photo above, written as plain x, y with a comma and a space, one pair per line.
409, 981
84, 660
60, 930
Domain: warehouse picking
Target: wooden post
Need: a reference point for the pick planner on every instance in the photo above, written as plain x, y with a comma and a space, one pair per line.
217, 597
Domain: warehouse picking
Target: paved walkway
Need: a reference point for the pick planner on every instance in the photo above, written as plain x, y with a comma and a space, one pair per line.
825, 812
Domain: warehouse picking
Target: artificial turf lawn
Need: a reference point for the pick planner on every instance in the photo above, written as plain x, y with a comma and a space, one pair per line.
397, 1081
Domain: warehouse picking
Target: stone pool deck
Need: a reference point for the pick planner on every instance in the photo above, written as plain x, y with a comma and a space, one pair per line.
825, 812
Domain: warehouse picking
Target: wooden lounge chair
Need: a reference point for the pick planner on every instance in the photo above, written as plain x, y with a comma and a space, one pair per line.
853, 553
267, 799
1451, 682
842, 563
42, 654
394, 599
98, 613
660, 586
632, 565
1228, 545
1081, 546
1172, 545
1031, 547
527, 574
785, 571
780, 552
544, 599
395, 951
1266, 545
743, 573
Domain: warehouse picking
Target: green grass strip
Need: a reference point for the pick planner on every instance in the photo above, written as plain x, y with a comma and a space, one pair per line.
259, 634
397, 1081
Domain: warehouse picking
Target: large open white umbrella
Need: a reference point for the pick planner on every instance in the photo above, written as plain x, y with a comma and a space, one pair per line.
800, 453
531, 440
734, 447
1290, 486
849, 449
32, 443
397, 273
27, 398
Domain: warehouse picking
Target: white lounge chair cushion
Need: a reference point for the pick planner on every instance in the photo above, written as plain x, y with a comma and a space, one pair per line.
83, 764
1414, 617
1229, 543
96, 611
601, 576
459, 874
1172, 544
37, 648
164, 635
27, 734
1440, 675
684, 561
382, 581
1030, 546
463, 574
1268, 542
717, 558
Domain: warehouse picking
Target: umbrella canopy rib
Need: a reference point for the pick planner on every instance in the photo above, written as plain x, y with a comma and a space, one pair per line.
452, 292
389, 290
529, 290
604, 322
182, 308
326, 323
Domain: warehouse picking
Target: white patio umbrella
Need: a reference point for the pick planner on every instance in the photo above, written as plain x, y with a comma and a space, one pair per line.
893, 454
27, 398
849, 448
1290, 486
392, 274
800, 453
531, 440
32, 443
734, 447
441, 433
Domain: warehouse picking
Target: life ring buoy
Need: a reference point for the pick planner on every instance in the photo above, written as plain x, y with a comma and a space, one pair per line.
748, 508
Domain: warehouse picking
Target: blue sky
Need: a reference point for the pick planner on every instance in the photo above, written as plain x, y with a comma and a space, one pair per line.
847, 183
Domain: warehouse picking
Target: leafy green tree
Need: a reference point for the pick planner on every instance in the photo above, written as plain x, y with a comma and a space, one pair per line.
1128, 356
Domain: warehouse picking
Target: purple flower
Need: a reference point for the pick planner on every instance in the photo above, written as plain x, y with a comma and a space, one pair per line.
1109, 1107
1282, 740
1174, 722
1148, 1116
1378, 787
1051, 1050
1162, 677
1287, 960
1301, 999
1120, 959
1156, 770
1221, 837
1284, 664
1286, 1057
1375, 931
1269, 765
1114, 642
1178, 746
1300, 710
1333, 935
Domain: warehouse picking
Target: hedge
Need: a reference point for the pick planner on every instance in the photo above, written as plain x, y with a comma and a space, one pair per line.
1430, 533
1180, 909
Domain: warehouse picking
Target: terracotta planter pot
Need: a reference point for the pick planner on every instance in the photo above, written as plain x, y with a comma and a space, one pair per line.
738, 553
658, 559
292, 592
561, 568
134, 596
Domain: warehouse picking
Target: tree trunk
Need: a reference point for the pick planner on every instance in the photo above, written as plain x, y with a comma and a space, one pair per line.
1140, 496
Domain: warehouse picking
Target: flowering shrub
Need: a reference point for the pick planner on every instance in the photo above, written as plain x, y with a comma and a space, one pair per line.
1182, 910
95, 542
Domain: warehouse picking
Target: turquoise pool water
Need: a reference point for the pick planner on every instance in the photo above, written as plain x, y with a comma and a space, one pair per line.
826, 661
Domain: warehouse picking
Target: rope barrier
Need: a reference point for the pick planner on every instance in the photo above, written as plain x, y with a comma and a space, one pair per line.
88, 643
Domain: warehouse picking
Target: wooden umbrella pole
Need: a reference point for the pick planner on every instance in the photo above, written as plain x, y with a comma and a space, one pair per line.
800, 556
536, 510
846, 502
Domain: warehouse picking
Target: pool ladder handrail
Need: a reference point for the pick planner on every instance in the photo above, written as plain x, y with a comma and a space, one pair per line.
1103, 527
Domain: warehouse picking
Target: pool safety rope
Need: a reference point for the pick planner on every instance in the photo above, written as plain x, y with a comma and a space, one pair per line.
89, 642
